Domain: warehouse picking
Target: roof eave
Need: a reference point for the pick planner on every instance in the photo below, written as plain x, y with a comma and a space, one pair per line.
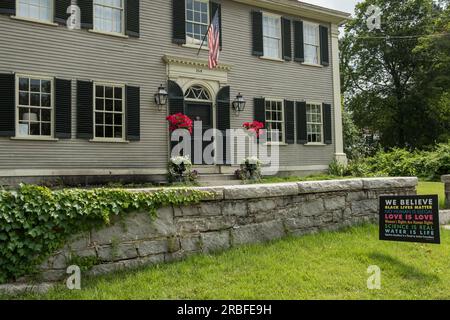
301, 9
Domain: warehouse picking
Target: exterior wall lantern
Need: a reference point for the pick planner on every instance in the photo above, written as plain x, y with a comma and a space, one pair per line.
238, 104
161, 97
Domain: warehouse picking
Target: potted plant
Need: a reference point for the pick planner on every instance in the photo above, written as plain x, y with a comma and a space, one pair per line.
250, 169
179, 170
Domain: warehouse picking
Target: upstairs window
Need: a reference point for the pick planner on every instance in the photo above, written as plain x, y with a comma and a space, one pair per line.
34, 107
314, 123
272, 36
109, 16
197, 21
312, 43
35, 9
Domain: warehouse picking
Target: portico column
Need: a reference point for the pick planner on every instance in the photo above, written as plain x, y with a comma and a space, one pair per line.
339, 140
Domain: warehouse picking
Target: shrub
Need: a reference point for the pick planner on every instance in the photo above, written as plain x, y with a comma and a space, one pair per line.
337, 169
429, 164
35, 221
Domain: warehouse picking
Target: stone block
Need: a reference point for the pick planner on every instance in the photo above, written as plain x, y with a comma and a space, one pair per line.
365, 207
138, 226
388, 183
215, 241
200, 209
191, 243
312, 208
234, 208
120, 252
293, 224
329, 186
257, 233
195, 224
262, 205
149, 247
334, 203
356, 195
260, 191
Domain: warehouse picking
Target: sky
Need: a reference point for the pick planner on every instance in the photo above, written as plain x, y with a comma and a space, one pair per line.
342, 5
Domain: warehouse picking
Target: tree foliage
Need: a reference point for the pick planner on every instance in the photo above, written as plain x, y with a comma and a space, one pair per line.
396, 81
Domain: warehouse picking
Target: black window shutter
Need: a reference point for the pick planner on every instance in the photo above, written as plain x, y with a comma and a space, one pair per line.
8, 7
176, 98
287, 40
176, 102
87, 11
213, 7
327, 121
257, 23
223, 121
299, 46
132, 18
259, 109
179, 21
63, 109
289, 121
302, 137
324, 55
7, 105
133, 112
85, 111
61, 14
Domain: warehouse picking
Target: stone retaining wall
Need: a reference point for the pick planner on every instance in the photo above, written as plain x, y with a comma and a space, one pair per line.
232, 216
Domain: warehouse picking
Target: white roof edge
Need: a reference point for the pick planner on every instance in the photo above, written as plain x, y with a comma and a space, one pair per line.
303, 9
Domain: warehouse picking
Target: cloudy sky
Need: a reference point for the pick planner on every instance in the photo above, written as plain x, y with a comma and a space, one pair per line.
343, 5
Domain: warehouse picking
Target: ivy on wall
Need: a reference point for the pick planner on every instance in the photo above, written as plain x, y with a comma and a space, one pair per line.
35, 221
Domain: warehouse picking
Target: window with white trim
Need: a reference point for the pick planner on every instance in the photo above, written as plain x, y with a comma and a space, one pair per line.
274, 120
35, 9
272, 35
314, 123
34, 106
109, 16
109, 115
197, 21
312, 42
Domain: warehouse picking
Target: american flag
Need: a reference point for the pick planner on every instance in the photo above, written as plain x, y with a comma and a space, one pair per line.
214, 41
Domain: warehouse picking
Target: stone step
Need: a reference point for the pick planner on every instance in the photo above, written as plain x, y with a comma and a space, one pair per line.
218, 179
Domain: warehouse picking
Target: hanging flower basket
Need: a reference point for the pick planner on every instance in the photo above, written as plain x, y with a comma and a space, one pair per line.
179, 121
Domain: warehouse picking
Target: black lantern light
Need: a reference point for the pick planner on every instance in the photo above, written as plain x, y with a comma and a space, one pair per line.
161, 97
239, 103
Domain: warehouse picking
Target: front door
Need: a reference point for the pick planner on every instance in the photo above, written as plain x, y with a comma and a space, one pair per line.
199, 111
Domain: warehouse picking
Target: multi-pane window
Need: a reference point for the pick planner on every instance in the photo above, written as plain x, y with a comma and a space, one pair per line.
34, 107
314, 123
108, 15
274, 120
272, 36
197, 21
35, 9
312, 40
109, 111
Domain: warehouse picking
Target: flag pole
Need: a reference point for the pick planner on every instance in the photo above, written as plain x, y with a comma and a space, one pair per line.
203, 41
204, 37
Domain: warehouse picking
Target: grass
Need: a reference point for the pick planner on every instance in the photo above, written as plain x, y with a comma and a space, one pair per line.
427, 188
329, 265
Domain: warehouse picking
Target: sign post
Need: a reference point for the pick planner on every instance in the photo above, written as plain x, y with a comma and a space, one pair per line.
410, 219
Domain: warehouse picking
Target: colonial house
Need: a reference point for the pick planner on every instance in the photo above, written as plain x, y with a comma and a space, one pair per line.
78, 104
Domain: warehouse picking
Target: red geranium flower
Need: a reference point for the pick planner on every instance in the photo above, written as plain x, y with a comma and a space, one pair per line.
254, 127
179, 121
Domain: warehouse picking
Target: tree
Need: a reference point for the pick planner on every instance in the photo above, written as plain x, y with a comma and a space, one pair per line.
386, 73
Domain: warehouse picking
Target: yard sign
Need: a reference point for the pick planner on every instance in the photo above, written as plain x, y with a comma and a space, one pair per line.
409, 218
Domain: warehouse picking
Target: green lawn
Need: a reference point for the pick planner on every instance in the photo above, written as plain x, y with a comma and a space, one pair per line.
322, 266
432, 188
